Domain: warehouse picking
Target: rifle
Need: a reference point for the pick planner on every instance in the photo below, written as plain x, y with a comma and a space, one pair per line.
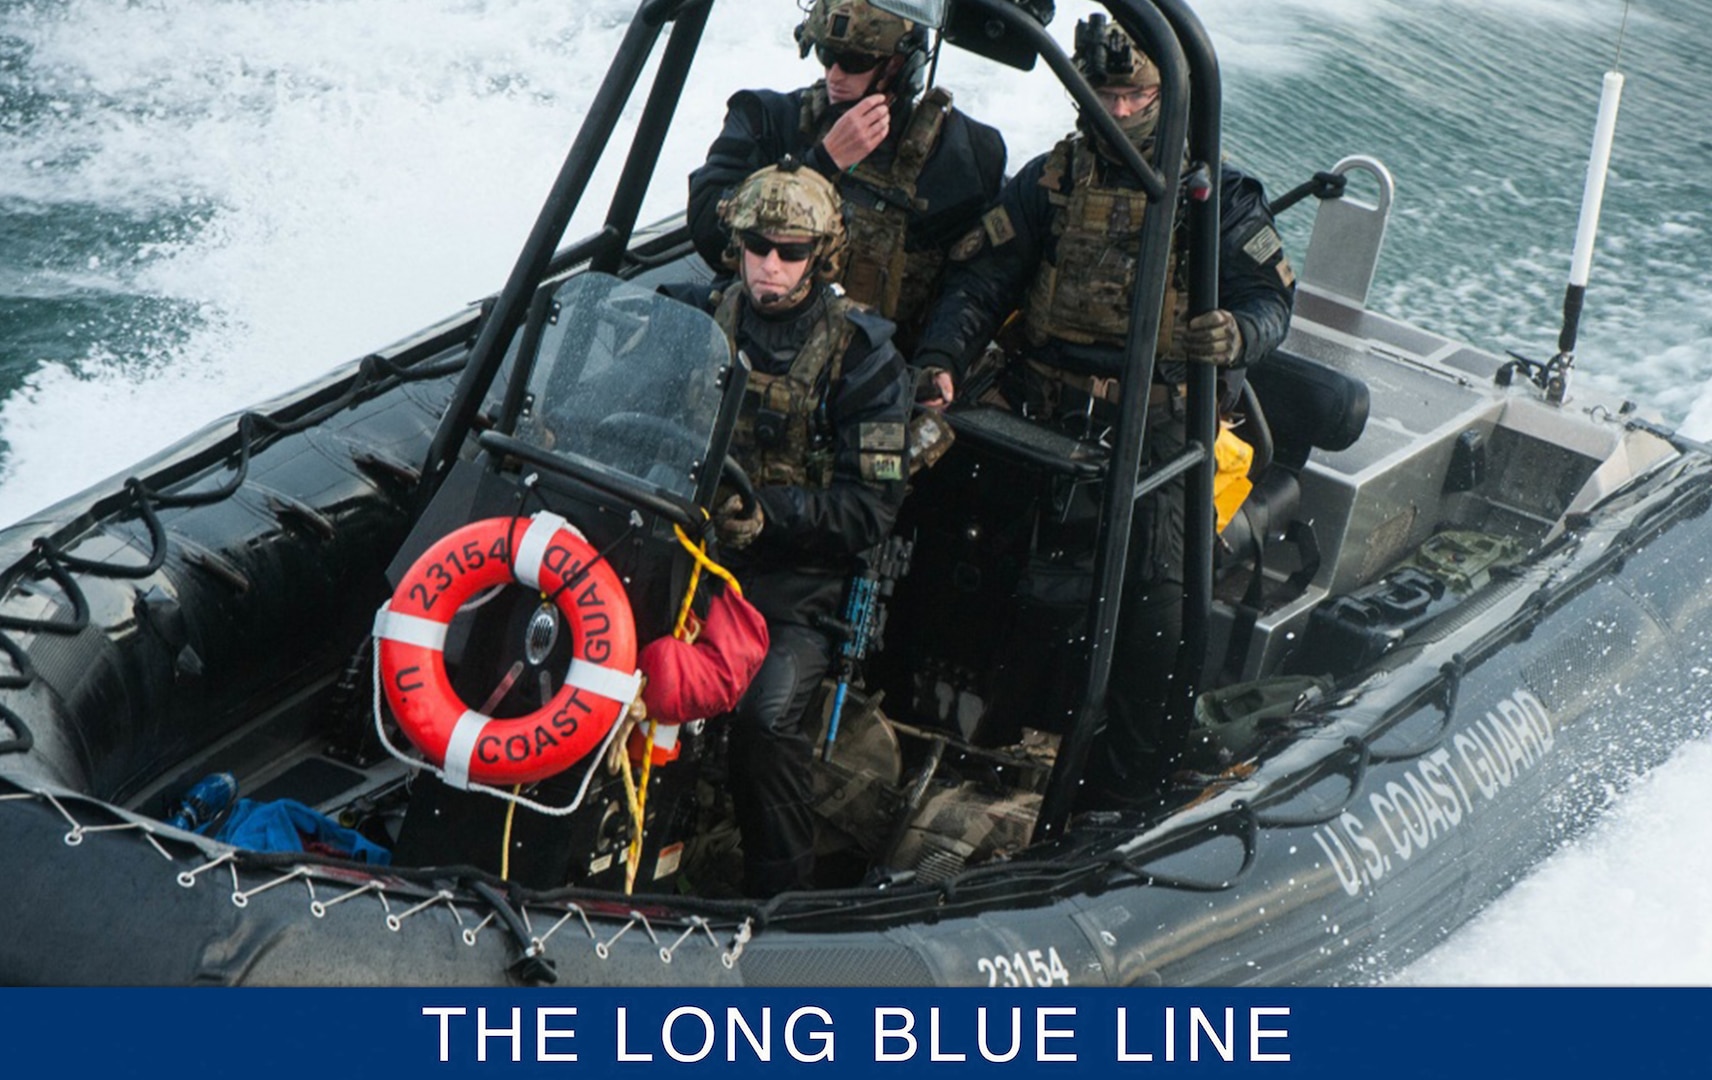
864, 623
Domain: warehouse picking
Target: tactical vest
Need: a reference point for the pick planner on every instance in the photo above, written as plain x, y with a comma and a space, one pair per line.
880, 272
1082, 293
778, 437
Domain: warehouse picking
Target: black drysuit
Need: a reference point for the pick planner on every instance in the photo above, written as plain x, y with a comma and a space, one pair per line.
796, 572
981, 292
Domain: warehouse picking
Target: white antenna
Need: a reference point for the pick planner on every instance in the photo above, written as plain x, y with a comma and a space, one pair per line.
1592, 199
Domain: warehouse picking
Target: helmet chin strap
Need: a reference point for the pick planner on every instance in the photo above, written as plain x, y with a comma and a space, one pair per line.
877, 84
773, 303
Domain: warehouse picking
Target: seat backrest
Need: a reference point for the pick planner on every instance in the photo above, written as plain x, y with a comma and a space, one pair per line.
1308, 406
1343, 252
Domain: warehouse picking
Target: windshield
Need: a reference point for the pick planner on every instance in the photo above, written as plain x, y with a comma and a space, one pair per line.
628, 378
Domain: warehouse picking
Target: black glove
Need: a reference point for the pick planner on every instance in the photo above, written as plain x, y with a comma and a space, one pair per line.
935, 385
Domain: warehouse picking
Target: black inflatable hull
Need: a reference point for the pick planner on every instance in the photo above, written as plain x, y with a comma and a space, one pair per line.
251, 604
1402, 810
209, 612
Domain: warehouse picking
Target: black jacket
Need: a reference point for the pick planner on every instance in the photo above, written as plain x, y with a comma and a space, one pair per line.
798, 566
981, 292
958, 182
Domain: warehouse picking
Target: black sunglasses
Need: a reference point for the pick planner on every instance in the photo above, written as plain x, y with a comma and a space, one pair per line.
853, 63
789, 250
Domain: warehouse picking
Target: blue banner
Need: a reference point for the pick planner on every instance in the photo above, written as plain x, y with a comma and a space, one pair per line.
1394, 1034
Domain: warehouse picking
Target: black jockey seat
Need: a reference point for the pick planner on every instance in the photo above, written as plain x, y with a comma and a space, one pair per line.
1309, 406
1303, 406
1003, 432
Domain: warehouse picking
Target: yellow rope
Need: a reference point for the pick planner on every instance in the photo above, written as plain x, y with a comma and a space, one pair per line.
637, 790
679, 628
698, 552
636, 803
505, 849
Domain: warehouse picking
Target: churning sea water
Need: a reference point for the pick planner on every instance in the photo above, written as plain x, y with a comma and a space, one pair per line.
204, 202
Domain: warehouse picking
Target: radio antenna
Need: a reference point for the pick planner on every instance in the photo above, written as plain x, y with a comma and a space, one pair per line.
1592, 199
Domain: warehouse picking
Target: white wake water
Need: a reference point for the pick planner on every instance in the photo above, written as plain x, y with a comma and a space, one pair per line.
370, 165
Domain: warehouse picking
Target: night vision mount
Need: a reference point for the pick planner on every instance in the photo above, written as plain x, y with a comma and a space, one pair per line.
1102, 51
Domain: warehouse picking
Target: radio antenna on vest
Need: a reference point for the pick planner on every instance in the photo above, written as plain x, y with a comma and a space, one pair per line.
1592, 199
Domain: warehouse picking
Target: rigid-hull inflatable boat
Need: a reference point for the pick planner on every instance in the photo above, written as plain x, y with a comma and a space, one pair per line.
1460, 607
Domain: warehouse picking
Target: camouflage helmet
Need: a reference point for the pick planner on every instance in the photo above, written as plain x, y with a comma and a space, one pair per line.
1109, 59
787, 198
1106, 56
859, 27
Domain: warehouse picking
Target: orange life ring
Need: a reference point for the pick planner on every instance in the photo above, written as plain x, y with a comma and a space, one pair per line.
410, 633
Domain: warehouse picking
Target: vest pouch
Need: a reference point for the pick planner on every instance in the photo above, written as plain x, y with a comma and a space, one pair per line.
1084, 294
1037, 306
880, 272
771, 438
770, 428
764, 419
774, 437
817, 470
875, 272
922, 271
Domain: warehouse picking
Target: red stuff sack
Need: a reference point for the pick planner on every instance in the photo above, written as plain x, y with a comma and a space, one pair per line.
694, 682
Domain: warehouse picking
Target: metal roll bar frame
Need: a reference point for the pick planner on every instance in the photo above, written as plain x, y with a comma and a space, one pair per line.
1190, 110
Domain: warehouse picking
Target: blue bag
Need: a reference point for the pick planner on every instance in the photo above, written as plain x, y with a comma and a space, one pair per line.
288, 825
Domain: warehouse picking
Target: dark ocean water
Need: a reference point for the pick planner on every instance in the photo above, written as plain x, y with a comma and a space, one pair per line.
235, 194
206, 201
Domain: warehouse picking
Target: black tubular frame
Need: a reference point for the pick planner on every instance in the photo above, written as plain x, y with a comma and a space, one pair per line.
506, 316
680, 52
1200, 533
1190, 111
1172, 36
